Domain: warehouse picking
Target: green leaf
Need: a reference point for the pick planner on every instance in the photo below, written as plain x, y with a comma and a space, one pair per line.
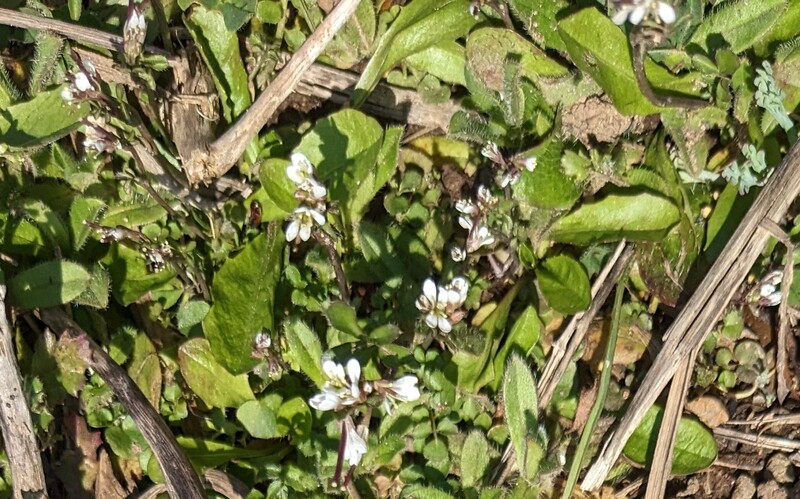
81, 210
133, 215
219, 47
48, 284
521, 412
19, 236
304, 350
260, 418
564, 284
352, 158
520, 340
638, 216
244, 295
342, 316
420, 25
610, 63
355, 40
474, 459
130, 278
741, 23
294, 419
487, 46
278, 187
476, 371
145, 369
548, 186
96, 294
48, 221
446, 61
191, 314
210, 454
695, 447
39, 121
538, 17
45, 70
215, 385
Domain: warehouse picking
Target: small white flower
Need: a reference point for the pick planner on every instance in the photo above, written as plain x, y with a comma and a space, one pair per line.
262, 341
325, 401
485, 198
466, 207
303, 220
354, 445
405, 388
301, 172
458, 254
342, 387
440, 303
530, 163
508, 178
492, 152
82, 83
461, 286
769, 293
635, 11
478, 238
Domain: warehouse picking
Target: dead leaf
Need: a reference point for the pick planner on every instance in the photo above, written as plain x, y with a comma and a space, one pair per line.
710, 410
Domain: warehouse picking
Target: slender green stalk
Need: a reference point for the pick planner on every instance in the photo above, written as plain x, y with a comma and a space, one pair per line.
602, 391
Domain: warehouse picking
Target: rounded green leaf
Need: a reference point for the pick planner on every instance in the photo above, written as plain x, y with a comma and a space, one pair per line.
214, 384
638, 216
564, 284
49, 284
259, 417
695, 447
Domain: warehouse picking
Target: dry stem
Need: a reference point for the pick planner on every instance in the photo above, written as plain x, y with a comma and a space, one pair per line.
205, 166
15, 419
704, 307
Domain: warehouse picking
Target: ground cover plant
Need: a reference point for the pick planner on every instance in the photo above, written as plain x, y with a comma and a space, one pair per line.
368, 248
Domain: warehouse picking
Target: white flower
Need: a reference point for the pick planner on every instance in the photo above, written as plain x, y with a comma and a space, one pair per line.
342, 387
301, 172
636, 10
492, 152
530, 163
478, 238
440, 303
508, 178
458, 254
461, 286
82, 83
262, 341
303, 219
404, 388
485, 198
354, 445
769, 294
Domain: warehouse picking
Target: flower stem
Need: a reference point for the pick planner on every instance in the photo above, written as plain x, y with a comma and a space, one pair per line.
326, 241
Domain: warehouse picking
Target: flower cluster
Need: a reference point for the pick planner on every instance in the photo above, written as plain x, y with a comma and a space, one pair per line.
470, 218
344, 389
635, 11
441, 304
509, 171
311, 194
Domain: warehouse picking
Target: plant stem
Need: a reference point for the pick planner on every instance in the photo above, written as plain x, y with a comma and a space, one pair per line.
602, 391
326, 241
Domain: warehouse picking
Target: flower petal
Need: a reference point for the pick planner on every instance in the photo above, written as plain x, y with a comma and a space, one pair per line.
637, 14
444, 325
666, 13
325, 401
292, 230
429, 290
431, 320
